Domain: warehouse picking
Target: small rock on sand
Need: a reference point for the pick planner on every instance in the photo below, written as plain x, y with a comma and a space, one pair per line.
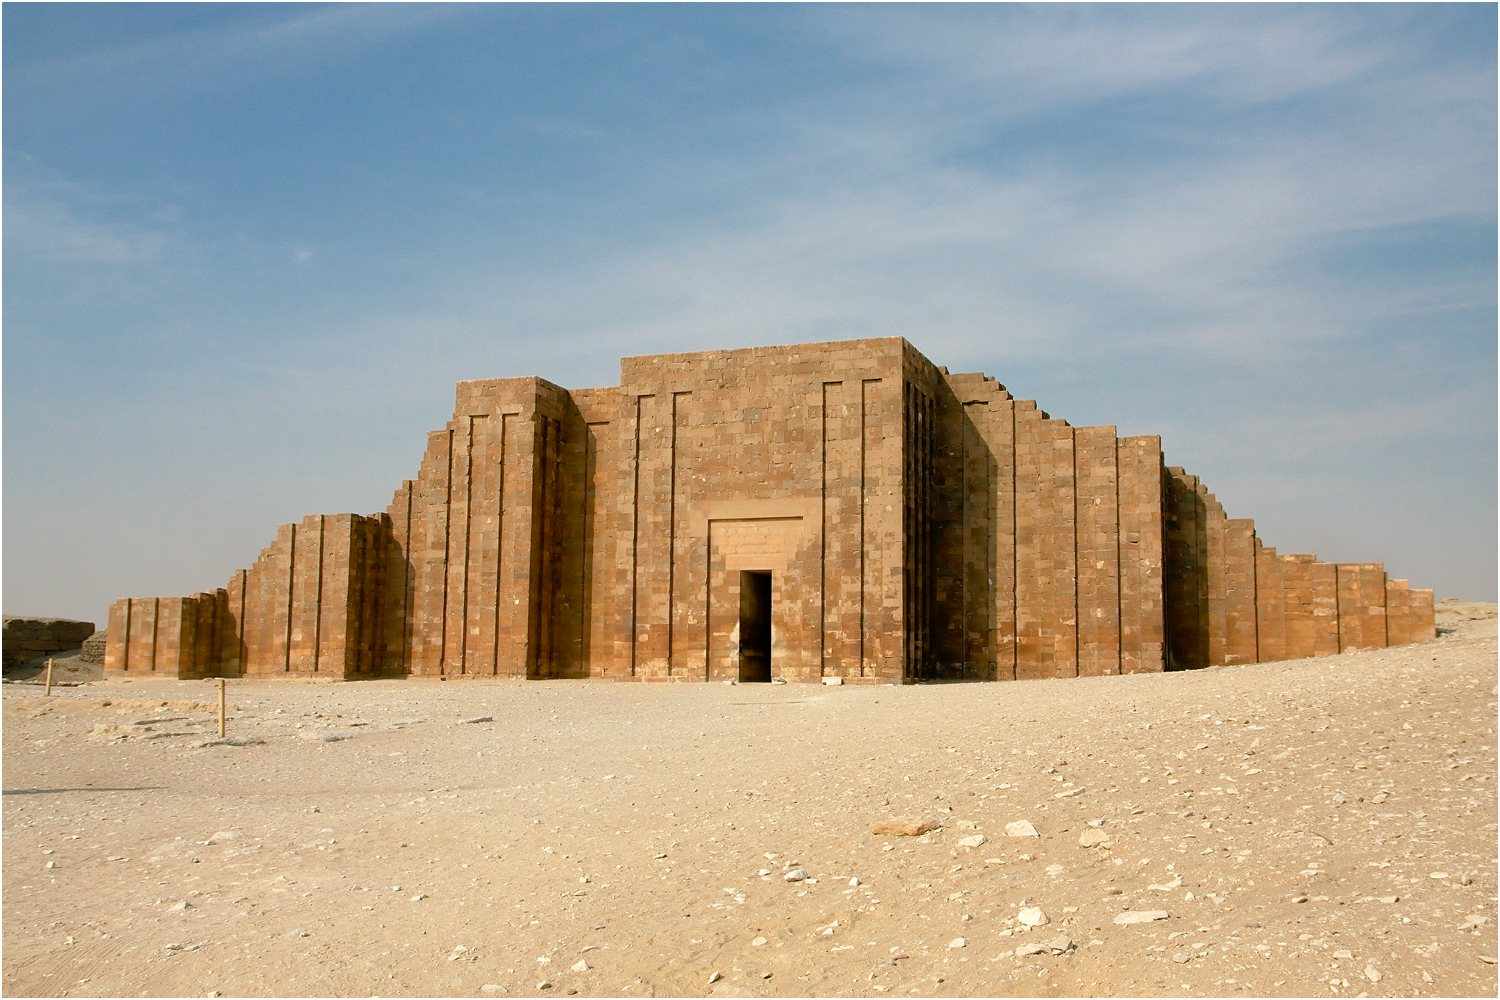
1021, 828
1140, 916
1060, 945
1031, 916
904, 827
1095, 838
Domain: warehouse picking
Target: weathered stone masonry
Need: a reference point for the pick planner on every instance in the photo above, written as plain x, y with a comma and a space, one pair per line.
907, 524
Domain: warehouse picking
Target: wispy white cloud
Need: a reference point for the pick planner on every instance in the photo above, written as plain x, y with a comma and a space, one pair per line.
48, 229
1038, 58
875, 214
1162, 278
1300, 436
872, 213
243, 49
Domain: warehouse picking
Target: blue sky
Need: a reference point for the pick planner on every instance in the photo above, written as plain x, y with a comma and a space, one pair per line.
249, 250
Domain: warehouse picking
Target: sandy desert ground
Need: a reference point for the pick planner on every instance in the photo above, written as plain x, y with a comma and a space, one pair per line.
1322, 827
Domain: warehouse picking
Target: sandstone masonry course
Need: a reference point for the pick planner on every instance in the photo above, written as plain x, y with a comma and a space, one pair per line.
893, 521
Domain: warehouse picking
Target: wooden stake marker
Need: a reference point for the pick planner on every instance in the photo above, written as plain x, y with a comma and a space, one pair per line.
49, 676
221, 708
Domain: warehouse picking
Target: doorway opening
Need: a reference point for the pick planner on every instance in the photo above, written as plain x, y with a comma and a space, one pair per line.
755, 625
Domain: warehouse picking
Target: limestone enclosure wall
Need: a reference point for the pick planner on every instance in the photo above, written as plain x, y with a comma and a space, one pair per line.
1232, 599
1048, 541
914, 524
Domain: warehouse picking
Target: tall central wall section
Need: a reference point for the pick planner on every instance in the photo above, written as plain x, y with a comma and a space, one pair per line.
783, 460
602, 532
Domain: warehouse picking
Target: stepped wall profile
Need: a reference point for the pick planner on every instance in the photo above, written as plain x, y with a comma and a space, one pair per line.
840, 510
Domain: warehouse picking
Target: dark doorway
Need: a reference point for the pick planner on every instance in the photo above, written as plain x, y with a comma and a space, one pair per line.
755, 626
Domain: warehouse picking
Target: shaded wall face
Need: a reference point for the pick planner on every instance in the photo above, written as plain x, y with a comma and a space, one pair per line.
26, 638
700, 467
1047, 540
923, 585
1186, 581
1231, 599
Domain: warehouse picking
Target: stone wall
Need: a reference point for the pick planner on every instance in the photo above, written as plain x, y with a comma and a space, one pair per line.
28, 638
93, 648
916, 524
306, 606
784, 459
1232, 599
1048, 541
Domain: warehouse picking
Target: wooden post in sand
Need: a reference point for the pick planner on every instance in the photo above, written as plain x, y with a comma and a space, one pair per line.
221, 708
49, 676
